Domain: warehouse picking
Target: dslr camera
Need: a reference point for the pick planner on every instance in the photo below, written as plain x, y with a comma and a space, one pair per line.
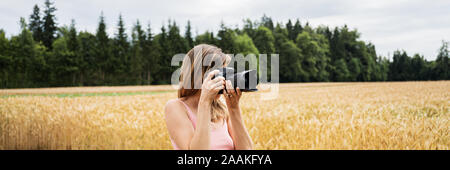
245, 80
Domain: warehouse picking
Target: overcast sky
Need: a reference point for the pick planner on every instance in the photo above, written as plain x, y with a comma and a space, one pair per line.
417, 26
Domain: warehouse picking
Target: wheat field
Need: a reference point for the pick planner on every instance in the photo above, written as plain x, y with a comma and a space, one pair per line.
396, 115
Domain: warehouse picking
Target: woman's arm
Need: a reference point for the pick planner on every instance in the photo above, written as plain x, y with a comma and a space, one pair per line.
201, 137
238, 132
241, 138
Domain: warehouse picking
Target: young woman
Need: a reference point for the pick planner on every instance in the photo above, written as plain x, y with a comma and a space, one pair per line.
198, 120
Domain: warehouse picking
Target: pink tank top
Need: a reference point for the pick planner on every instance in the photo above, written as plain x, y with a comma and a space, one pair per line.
220, 139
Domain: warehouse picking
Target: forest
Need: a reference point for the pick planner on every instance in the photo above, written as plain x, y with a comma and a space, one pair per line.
45, 54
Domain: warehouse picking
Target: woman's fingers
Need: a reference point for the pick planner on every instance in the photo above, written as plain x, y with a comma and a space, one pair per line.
232, 91
226, 87
239, 92
220, 87
218, 84
211, 74
229, 85
217, 79
225, 93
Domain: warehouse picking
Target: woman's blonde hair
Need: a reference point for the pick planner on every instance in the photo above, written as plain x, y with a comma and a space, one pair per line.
197, 62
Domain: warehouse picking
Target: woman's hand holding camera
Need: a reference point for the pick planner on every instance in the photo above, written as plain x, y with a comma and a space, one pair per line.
211, 87
231, 95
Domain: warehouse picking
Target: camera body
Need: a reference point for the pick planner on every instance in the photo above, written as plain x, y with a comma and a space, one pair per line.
245, 80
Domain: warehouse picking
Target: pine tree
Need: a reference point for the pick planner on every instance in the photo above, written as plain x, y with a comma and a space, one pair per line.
121, 35
290, 29
5, 61
49, 24
188, 35
297, 29
443, 63
280, 34
267, 22
212, 39
418, 64
163, 42
226, 39
137, 54
73, 45
151, 57
35, 25
121, 56
102, 51
162, 75
177, 43
72, 39
249, 28
87, 64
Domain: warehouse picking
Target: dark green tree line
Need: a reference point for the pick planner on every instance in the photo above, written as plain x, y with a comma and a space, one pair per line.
44, 54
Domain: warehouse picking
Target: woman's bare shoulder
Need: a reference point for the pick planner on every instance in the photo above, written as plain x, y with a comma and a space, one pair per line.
176, 116
174, 107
